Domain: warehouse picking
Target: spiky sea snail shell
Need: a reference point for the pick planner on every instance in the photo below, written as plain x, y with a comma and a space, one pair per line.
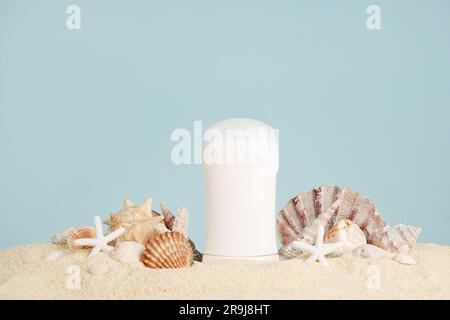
140, 221
168, 250
80, 233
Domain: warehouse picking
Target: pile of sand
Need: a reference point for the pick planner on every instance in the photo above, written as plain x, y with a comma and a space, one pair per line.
24, 274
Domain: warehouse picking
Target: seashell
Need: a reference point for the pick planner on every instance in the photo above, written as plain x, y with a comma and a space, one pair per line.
404, 258
80, 233
198, 256
54, 254
369, 251
289, 251
61, 237
98, 269
127, 252
138, 220
169, 218
299, 218
348, 233
160, 228
180, 224
400, 238
167, 251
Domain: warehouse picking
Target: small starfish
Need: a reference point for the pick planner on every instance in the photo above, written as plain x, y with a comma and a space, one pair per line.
100, 243
319, 250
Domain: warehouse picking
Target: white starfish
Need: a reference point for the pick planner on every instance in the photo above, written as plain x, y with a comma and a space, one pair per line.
319, 250
100, 243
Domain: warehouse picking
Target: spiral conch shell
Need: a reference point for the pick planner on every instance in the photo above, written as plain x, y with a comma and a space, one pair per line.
80, 233
400, 238
168, 250
139, 221
347, 232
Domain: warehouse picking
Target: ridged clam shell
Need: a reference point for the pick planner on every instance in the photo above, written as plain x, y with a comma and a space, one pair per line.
326, 205
348, 233
80, 233
127, 252
167, 251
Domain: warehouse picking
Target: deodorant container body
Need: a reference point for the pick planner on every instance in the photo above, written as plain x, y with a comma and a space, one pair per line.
240, 164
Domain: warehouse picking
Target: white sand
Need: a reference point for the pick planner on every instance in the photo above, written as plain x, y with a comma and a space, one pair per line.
25, 275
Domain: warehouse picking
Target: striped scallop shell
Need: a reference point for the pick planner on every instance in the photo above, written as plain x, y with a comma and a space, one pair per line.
326, 206
80, 233
168, 250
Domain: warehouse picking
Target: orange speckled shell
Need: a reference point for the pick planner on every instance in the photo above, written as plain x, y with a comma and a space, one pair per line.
168, 250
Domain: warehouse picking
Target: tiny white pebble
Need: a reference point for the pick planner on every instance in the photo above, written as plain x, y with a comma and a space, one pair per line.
54, 254
404, 258
98, 269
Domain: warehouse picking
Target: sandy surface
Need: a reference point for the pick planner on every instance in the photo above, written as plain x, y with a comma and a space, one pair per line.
25, 275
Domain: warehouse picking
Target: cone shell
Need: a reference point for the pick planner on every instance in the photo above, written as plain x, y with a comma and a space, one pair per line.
80, 233
169, 218
169, 250
326, 206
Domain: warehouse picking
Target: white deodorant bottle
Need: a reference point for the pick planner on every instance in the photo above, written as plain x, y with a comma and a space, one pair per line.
240, 164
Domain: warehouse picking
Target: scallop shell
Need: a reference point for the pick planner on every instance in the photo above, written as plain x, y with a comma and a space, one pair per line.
139, 221
80, 233
326, 205
348, 233
400, 238
128, 252
167, 251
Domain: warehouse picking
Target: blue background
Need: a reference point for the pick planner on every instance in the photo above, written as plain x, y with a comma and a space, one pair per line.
86, 115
